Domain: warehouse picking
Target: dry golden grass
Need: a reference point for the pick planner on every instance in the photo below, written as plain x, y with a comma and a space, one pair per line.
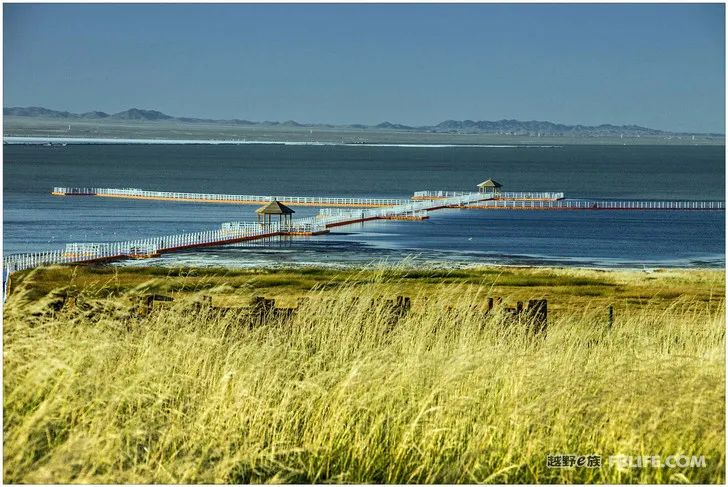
338, 395
567, 288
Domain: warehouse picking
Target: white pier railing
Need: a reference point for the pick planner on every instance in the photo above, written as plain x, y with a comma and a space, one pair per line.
233, 232
134, 193
230, 232
516, 195
329, 212
303, 225
85, 252
602, 205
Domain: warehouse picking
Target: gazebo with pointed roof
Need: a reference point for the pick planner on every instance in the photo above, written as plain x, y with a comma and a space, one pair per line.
490, 186
267, 212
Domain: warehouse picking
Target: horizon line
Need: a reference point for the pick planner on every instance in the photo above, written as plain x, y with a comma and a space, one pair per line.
192, 119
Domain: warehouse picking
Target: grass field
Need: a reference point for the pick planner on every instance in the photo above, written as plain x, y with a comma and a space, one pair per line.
339, 394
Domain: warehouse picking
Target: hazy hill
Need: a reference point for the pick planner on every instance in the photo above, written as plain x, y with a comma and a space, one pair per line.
518, 127
499, 127
94, 115
131, 114
137, 114
37, 112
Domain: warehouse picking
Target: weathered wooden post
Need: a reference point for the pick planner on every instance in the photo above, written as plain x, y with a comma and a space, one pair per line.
395, 309
149, 303
262, 308
283, 313
611, 315
495, 305
538, 313
70, 303
144, 305
390, 312
202, 302
59, 302
404, 304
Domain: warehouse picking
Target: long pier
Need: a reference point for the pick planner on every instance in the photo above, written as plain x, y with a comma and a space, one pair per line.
583, 204
556, 201
512, 200
240, 199
228, 233
361, 210
503, 195
248, 199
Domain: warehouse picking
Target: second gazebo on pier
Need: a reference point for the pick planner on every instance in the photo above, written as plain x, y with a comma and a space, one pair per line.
266, 213
490, 186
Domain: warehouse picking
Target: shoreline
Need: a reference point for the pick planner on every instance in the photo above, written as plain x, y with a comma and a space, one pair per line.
413, 263
566, 288
405, 266
54, 141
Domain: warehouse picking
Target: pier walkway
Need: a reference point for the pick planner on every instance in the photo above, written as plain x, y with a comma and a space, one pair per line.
360, 210
504, 195
240, 199
229, 233
583, 204
521, 200
556, 201
248, 199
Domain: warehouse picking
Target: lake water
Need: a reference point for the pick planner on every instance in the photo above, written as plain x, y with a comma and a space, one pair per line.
34, 220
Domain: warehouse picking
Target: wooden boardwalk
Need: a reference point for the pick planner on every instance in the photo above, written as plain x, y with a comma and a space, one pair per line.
578, 204
229, 233
362, 210
523, 200
248, 199
239, 199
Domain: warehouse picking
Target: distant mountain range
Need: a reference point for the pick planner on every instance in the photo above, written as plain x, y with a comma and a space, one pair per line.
501, 127
132, 114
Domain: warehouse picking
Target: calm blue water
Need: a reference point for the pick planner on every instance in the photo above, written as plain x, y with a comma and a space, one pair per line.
34, 220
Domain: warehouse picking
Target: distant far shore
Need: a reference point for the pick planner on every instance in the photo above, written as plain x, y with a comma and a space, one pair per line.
36, 130
101, 141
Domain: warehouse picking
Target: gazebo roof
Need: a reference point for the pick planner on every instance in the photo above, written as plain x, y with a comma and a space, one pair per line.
274, 208
490, 183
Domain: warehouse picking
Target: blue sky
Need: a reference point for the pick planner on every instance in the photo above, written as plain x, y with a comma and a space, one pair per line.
660, 66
